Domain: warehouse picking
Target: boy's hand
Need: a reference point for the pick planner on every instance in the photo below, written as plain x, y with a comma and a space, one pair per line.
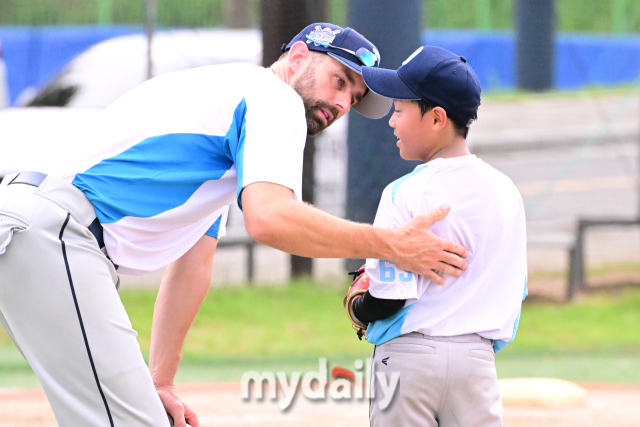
359, 287
421, 251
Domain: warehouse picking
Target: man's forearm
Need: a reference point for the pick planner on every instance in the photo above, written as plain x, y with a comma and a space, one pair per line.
184, 286
273, 217
306, 231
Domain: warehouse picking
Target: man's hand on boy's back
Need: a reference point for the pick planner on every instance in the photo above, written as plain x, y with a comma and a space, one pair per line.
421, 244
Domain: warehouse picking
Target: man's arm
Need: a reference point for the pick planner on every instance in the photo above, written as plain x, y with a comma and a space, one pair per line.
184, 285
273, 217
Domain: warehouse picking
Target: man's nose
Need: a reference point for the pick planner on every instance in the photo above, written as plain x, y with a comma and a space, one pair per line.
392, 122
343, 102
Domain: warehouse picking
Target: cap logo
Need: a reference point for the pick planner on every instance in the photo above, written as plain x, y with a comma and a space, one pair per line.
322, 36
413, 55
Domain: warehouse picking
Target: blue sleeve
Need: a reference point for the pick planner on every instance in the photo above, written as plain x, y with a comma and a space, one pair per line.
214, 230
218, 228
500, 344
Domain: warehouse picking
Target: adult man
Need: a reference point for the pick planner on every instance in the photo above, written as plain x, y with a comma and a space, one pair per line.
181, 147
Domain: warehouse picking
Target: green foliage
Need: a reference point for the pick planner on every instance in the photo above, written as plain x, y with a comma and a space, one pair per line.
598, 16
38, 12
198, 13
465, 13
572, 15
175, 14
337, 12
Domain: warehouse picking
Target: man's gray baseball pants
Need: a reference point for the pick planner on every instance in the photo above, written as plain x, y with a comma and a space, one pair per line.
60, 306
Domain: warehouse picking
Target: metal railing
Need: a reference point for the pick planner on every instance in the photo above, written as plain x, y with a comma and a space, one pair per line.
576, 279
249, 244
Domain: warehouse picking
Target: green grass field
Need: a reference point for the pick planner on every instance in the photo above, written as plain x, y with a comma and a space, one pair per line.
287, 328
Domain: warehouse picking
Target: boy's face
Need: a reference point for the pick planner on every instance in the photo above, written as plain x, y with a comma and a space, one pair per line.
412, 130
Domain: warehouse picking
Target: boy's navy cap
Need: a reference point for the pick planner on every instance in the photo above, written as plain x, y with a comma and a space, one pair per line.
435, 75
371, 105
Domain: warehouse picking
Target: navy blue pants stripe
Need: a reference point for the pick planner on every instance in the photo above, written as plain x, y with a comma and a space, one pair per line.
84, 333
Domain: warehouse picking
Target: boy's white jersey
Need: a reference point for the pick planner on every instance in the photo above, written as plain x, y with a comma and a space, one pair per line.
179, 149
487, 217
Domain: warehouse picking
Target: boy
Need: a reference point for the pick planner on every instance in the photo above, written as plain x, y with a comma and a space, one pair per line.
442, 339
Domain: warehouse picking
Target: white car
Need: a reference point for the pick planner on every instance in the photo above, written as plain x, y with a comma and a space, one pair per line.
107, 70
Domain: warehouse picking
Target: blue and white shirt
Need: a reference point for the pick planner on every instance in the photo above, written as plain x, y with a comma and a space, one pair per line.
487, 217
179, 149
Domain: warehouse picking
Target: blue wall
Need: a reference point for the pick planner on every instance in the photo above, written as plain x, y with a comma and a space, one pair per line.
35, 54
580, 59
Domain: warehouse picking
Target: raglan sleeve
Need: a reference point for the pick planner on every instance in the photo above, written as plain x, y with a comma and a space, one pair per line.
388, 281
274, 134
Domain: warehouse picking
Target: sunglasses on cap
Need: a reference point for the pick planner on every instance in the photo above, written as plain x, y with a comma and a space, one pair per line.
368, 58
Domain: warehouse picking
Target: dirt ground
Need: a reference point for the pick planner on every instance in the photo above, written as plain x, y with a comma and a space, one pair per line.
219, 404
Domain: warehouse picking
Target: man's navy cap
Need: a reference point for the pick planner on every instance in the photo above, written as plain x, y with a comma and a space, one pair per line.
435, 75
332, 39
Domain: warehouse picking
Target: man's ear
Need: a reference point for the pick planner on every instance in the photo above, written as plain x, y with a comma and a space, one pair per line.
298, 55
439, 117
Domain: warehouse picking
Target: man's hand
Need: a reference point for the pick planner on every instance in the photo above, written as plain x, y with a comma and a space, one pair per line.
181, 413
421, 251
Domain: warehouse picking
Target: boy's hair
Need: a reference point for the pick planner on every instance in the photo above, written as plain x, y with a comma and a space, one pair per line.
463, 131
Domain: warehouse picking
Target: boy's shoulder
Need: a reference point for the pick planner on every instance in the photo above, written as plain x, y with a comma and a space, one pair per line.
420, 175
447, 175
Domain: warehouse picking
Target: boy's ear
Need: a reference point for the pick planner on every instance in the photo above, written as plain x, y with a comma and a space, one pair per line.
439, 117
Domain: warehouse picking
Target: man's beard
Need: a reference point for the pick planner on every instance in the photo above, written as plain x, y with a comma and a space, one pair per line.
305, 86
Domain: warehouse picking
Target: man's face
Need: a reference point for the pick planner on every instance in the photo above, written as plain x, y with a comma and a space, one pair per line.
328, 89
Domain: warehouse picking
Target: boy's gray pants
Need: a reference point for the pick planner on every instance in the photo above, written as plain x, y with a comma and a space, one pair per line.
444, 381
60, 306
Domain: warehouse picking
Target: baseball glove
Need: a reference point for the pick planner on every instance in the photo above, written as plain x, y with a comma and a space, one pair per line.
360, 285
